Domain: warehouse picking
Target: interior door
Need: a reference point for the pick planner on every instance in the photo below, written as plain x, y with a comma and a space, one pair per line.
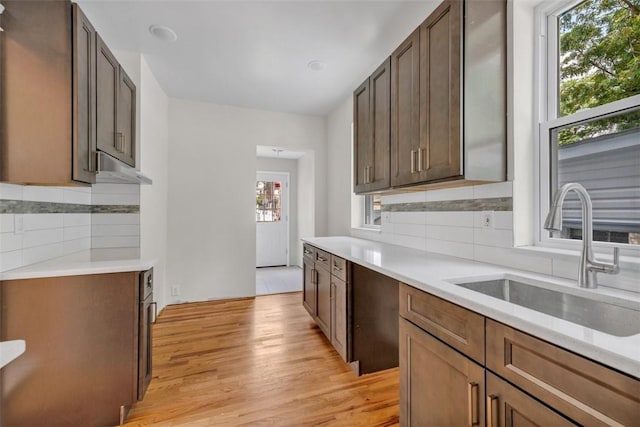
272, 219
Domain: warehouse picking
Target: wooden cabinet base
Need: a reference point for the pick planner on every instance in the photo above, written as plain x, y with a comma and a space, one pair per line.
80, 364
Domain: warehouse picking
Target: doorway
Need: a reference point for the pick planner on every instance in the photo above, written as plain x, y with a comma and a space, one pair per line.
272, 219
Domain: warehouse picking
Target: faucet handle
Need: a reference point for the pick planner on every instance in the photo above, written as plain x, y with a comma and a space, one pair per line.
605, 267
616, 261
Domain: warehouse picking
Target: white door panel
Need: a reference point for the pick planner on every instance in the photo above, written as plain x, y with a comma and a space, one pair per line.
272, 219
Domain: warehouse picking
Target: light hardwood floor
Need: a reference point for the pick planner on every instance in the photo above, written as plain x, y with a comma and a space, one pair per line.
256, 362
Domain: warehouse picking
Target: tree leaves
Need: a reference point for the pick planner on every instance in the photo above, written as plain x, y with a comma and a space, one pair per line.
599, 61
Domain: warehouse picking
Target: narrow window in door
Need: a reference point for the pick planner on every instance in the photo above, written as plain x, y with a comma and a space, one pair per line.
268, 201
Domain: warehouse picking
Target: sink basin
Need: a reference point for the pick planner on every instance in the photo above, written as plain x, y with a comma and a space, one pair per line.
602, 316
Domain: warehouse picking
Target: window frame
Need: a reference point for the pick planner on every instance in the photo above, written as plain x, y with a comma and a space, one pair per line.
547, 118
365, 199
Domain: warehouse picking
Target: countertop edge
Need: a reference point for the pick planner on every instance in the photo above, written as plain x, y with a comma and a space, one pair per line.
93, 261
602, 355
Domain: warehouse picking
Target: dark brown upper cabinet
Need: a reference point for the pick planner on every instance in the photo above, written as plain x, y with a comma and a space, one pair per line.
116, 102
425, 107
371, 130
84, 101
448, 101
51, 86
405, 111
48, 104
440, 96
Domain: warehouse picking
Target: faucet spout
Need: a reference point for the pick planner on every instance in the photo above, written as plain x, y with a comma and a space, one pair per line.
589, 266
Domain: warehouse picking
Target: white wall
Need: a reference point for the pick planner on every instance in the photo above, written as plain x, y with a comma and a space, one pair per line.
339, 168
212, 166
154, 162
266, 164
152, 153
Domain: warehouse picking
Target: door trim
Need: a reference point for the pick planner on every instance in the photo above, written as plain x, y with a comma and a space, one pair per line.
287, 195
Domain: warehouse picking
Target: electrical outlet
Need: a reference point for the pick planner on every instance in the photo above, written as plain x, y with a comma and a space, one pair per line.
175, 291
487, 219
18, 225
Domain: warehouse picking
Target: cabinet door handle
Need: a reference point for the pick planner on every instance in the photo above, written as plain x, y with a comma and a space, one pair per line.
313, 275
492, 410
307, 252
472, 394
155, 311
420, 167
321, 258
413, 161
336, 267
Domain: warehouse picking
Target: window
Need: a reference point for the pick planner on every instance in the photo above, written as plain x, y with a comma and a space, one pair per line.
268, 201
372, 210
590, 115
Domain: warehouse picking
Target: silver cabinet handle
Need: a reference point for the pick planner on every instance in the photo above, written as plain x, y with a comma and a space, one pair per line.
420, 167
155, 311
413, 161
335, 267
321, 258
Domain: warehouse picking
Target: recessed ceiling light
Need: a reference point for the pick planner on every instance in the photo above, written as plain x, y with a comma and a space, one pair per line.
163, 33
316, 65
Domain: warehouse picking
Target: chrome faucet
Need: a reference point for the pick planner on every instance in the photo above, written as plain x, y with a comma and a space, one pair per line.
589, 266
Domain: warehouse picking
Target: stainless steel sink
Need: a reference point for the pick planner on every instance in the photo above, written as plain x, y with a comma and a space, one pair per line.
599, 315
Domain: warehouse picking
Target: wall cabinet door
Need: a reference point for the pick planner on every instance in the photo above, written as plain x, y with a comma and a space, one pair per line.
339, 313
509, 407
309, 287
440, 93
84, 101
107, 87
372, 121
361, 135
126, 119
116, 107
405, 111
323, 286
438, 385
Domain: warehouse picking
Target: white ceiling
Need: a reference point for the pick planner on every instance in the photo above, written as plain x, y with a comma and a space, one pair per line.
254, 53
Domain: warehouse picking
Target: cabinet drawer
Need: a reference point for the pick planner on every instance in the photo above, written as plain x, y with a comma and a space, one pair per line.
323, 259
339, 267
585, 391
309, 252
460, 328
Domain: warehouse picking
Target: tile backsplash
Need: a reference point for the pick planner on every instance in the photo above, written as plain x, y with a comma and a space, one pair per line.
451, 222
40, 223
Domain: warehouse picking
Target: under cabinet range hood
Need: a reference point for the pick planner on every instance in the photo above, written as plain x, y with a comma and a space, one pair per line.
113, 171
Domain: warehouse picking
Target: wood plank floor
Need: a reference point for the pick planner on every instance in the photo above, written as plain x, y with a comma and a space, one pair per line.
256, 362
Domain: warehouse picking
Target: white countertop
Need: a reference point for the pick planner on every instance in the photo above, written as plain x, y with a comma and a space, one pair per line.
9, 350
433, 273
94, 261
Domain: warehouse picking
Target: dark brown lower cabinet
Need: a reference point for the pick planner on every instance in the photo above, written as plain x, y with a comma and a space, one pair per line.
509, 407
80, 367
309, 287
323, 316
339, 316
529, 382
438, 385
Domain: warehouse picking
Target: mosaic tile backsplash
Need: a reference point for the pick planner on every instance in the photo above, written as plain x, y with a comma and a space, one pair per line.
40, 223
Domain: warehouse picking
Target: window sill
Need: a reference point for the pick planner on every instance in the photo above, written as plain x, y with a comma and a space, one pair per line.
369, 229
